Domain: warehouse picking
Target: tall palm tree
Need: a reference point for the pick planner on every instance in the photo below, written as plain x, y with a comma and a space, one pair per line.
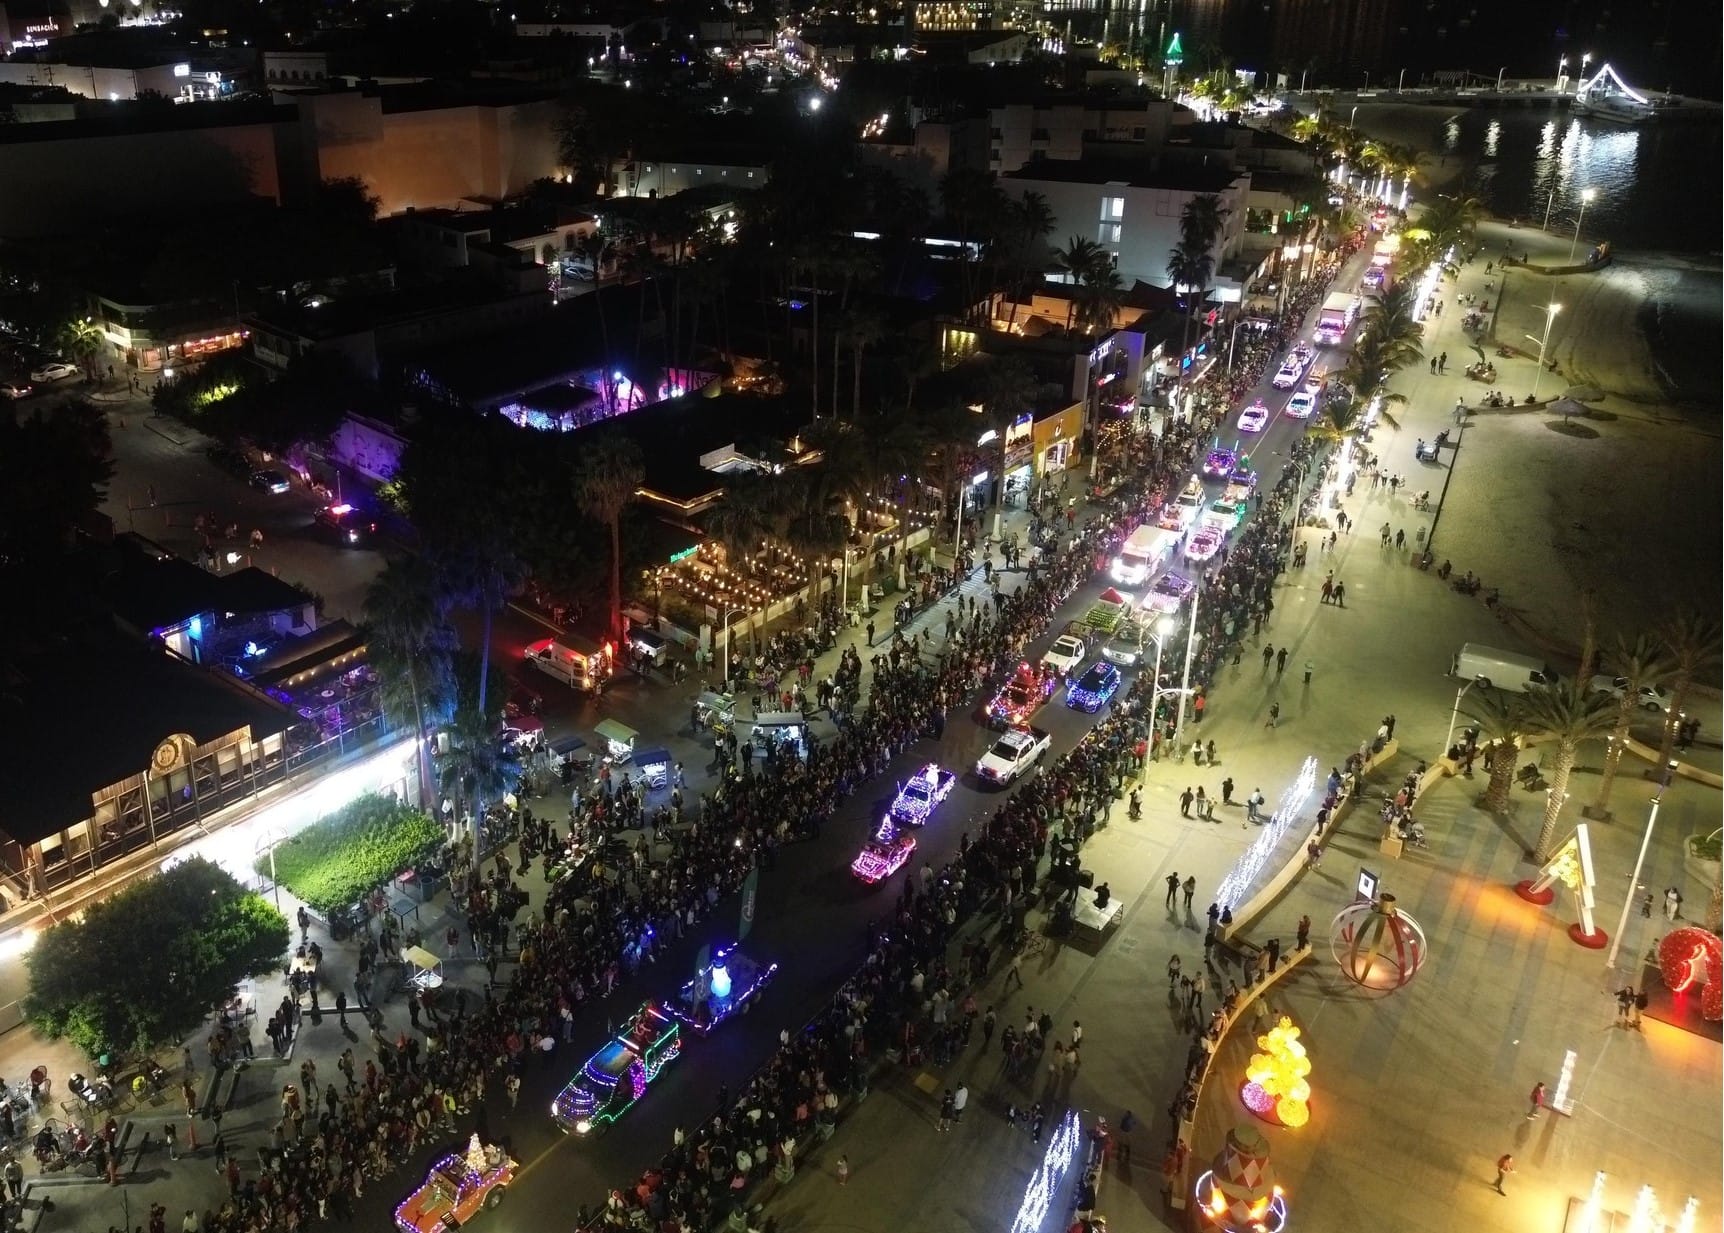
1502, 728
864, 327
410, 643
1201, 220
1190, 266
477, 769
1567, 713
480, 574
1692, 640
1098, 301
1639, 663
1366, 374
609, 475
81, 340
1390, 322
1078, 261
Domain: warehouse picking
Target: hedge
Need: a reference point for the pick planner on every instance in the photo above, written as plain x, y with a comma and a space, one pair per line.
144, 966
337, 861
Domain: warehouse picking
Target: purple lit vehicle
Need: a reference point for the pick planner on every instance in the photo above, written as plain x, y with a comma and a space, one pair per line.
916, 800
1220, 463
1170, 591
885, 854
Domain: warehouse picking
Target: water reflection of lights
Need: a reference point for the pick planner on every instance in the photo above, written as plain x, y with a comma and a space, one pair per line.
1493, 131
1547, 139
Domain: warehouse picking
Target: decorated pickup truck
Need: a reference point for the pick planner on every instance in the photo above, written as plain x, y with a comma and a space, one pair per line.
458, 1187
725, 986
1106, 613
919, 794
1029, 687
885, 854
619, 1073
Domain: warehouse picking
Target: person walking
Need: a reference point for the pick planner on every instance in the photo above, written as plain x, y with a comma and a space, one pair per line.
1253, 804
1505, 1166
172, 1139
1012, 974
1624, 1005
1280, 661
1173, 882
1303, 938
1190, 889
1268, 654
1227, 790
1274, 715
1185, 799
1640, 1001
1672, 904
960, 1098
1340, 594
1536, 1100
842, 1169
946, 1113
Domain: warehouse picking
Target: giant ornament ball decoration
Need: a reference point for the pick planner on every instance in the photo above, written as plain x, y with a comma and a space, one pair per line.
1691, 961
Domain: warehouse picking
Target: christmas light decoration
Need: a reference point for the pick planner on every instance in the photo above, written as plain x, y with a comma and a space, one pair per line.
1045, 1183
1644, 1217
1238, 1194
1587, 1221
1243, 876
1376, 944
1690, 1216
1275, 1087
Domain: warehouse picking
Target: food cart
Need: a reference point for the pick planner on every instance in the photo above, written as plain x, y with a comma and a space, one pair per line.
619, 740
786, 729
654, 765
426, 968
715, 710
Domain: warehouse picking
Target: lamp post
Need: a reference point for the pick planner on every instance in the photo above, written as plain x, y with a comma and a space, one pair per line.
1634, 878
1547, 207
1185, 676
1500, 73
1586, 195
1367, 84
1561, 73
1550, 312
1234, 334
1399, 80
1454, 461
1455, 715
728, 613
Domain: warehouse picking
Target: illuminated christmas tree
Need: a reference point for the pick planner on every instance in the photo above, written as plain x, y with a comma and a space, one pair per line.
1275, 1086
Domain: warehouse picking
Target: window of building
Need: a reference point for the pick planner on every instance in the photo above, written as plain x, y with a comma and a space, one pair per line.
1109, 233
1113, 208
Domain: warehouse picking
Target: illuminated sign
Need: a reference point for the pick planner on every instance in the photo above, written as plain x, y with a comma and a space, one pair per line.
684, 555
45, 27
1366, 887
1690, 971
182, 70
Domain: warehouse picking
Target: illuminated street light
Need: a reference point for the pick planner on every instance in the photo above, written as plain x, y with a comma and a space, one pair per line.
1634, 878
1454, 715
1586, 195
1550, 311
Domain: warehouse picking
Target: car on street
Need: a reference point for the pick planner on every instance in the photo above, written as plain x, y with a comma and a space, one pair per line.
1302, 404
1225, 512
1218, 463
1011, 754
1028, 688
1175, 516
55, 371
1243, 478
14, 389
1254, 418
347, 524
1092, 691
458, 1188
918, 795
610, 1082
1066, 653
1287, 376
885, 854
269, 480
1204, 543
1651, 697
1125, 648
1170, 590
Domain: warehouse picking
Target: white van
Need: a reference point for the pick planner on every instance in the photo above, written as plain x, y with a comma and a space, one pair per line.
1495, 669
1143, 554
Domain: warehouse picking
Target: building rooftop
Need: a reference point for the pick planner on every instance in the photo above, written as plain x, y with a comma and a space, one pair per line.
91, 744
1146, 173
152, 589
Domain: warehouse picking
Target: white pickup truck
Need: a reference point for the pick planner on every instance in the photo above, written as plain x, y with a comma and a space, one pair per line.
1012, 754
1066, 654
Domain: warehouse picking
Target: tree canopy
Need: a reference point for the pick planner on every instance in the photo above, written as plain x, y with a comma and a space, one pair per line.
143, 967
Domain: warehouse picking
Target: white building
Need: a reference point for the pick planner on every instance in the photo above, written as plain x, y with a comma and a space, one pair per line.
1132, 208
1020, 133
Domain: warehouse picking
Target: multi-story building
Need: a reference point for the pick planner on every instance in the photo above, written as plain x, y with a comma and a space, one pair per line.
1068, 129
1132, 207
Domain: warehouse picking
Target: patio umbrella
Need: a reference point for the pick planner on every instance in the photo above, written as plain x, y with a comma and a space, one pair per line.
1583, 393
1567, 406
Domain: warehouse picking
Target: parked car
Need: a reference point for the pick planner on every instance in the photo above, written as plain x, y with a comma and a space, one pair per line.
15, 389
269, 480
55, 371
1651, 697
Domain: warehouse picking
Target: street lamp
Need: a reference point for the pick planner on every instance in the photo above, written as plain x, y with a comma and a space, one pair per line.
1550, 312
1586, 195
1399, 80
1547, 208
1367, 84
1454, 715
1561, 73
728, 613
1185, 676
1634, 879
1500, 73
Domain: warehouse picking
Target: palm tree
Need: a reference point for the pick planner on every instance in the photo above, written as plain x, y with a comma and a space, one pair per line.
1098, 301
1366, 374
1502, 727
481, 574
410, 642
864, 326
1201, 220
1078, 261
1567, 713
81, 340
1393, 327
1190, 266
1639, 664
477, 769
1692, 640
609, 475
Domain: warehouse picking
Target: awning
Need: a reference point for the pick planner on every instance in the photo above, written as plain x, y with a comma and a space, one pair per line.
419, 957
563, 746
611, 730
652, 757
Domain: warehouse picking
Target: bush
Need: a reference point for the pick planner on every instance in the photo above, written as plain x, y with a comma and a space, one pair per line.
342, 858
1707, 847
143, 967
